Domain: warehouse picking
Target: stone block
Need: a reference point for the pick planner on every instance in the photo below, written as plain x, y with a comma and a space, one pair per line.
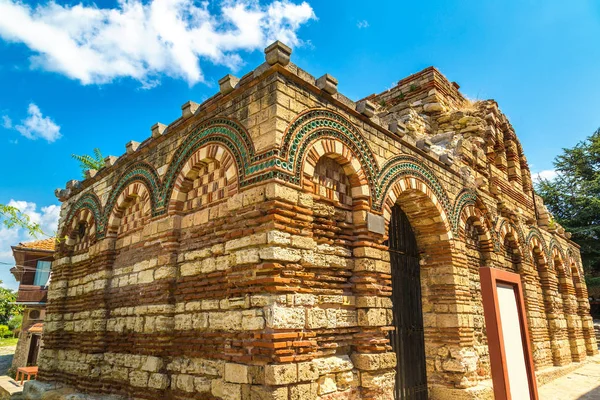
158, 129
246, 241
152, 364
278, 53
232, 391
131, 146
280, 254
304, 391
90, 173
189, 109
307, 371
281, 374
285, 317
236, 373
374, 361
227, 84
246, 256
138, 378
158, 381
374, 317
185, 383
328, 365
424, 145
327, 384
433, 107
268, 393
378, 380
277, 191
397, 127
328, 84
366, 108
447, 159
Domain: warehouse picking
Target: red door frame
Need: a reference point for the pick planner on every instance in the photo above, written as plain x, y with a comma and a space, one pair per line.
490, 277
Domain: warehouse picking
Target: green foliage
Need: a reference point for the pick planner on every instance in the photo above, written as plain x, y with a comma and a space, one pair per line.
12, 217
573, 197
400, 97
4, 331
8, 308
90, 162
15, 322
592, 281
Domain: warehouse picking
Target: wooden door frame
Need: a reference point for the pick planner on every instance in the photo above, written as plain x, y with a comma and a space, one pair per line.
490, 277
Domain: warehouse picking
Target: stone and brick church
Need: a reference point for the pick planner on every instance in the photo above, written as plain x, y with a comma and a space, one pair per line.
280, 241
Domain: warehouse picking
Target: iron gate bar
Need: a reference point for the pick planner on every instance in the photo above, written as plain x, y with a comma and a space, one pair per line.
408, 339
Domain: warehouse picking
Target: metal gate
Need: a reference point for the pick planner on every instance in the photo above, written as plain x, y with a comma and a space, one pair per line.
408, 339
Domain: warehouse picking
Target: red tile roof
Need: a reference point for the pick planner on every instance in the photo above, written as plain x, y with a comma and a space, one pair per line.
45, 245
36, 328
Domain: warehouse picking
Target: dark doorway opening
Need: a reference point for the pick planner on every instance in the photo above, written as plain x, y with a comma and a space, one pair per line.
408, 339
34, 349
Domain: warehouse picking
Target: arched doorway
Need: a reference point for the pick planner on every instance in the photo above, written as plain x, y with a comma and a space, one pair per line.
408, 339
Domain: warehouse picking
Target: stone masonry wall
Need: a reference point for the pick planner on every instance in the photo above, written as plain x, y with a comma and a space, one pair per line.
239, 253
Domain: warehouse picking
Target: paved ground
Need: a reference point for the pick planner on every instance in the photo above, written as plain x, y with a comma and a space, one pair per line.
6, 356
581, 384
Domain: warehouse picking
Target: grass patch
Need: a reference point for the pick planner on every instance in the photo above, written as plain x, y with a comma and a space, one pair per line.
8, 342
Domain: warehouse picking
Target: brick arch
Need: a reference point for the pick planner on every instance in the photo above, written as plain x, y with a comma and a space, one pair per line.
140, 172
401, 166
557, 253
566, 291
471, 213
344, 156
411, 184
509, 231
578, 283
134, 194
88, 201
315, 125
433, 233
586, 330
536, 240
72, 239
222, 131
209, 153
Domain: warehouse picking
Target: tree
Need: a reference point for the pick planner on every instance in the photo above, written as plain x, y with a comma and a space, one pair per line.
12, 217
8, 308
15, 322
573, 197
90, 162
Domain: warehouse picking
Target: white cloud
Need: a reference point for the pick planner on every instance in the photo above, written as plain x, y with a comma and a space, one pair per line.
362, 24
144, 40
37, 126
544, 174
47, 217
6, 122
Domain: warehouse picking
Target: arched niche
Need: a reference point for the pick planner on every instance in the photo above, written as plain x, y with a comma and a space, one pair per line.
208, 176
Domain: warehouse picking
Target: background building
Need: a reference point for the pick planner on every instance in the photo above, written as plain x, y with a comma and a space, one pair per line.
33, 261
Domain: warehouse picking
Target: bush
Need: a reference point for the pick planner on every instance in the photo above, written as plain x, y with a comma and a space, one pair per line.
4, 331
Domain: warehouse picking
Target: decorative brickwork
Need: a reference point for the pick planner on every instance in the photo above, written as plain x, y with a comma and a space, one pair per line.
242, 253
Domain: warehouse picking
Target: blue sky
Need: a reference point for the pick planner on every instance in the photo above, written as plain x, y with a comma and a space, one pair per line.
64, 91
